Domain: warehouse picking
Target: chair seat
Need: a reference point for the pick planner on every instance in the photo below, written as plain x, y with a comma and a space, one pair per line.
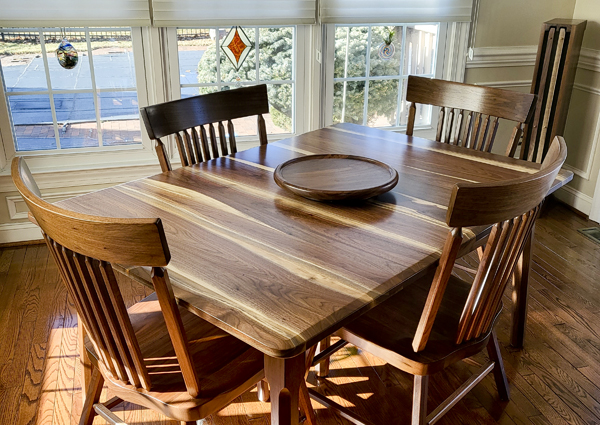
235, 369
387, 331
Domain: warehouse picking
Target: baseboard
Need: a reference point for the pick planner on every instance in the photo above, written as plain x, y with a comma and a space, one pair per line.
19, 232
574, 198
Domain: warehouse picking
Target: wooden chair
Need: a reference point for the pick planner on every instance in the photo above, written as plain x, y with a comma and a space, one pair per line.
469, 115
155, 353
404, 331
186, 120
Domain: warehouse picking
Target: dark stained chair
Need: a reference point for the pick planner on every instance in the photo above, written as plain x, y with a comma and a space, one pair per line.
192, 122
154, 354
469, 114
442, 319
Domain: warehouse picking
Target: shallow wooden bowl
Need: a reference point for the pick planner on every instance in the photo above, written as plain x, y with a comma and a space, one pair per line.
335, 177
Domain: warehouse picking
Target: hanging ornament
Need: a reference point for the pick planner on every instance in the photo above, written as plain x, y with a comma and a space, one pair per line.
236, 46
387, 48
66, 54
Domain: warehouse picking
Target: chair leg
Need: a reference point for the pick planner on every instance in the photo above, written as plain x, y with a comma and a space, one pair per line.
86, 365
419, 407
322, 369
499, 374
263, 391
92, 397
306, 405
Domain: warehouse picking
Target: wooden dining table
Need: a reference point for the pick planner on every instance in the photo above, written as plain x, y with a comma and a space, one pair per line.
282, 272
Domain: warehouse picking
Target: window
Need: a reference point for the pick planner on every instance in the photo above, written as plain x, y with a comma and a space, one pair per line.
92, 105
371, 66
204, 68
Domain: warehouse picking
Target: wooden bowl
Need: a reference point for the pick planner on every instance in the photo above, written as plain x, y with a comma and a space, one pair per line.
335, 177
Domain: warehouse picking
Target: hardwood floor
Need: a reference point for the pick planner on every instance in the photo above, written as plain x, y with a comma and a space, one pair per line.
554, 380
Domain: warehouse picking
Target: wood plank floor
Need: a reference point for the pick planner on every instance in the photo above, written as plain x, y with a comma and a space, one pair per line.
554, 380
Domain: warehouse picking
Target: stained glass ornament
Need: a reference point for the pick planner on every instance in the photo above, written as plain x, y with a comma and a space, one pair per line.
386, 51
67, 55
236, 46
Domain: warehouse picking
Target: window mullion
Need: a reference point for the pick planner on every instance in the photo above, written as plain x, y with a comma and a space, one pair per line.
401, 74
218, 57
94, 91
367, 75
343, 117
257, 65
49, 83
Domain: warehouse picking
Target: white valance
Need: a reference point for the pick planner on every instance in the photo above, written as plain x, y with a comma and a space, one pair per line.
394, 11
74, 13
196, 13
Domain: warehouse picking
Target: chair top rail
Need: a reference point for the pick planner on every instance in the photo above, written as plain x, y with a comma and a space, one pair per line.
495, 102
170, 117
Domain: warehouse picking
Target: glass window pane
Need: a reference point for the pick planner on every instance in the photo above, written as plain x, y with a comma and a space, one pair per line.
78, 77
354, 41
247, 71
119, 114
195, 91
76, 118
32, 120
192, 44
419, 55
348, 102
341, 38
78, 135
280, 106
275, 53
112, 53
121, 132
385, 59
22, 62
383, 103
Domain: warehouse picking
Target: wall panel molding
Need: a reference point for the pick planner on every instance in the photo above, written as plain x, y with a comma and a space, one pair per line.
589, 59
578, 200
586, 174
506, 84
19, 232
75, 178
499, 57
17, 209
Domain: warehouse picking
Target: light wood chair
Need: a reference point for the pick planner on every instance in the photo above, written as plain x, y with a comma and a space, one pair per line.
186, 120
442, 319
155, 353
469, 114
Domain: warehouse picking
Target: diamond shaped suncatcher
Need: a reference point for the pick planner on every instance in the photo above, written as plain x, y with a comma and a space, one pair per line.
236, 46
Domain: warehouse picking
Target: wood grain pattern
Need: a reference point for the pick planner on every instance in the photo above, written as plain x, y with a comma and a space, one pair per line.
469, 114
151, 354
302, 268
553, 78
335, 177
187, 119
554, 381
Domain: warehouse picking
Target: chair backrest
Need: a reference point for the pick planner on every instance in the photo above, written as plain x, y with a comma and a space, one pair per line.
186, 118
84, 247
511, 207
469, 115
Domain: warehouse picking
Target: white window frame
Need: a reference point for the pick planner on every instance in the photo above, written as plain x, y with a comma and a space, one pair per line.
450, 65
87, 158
